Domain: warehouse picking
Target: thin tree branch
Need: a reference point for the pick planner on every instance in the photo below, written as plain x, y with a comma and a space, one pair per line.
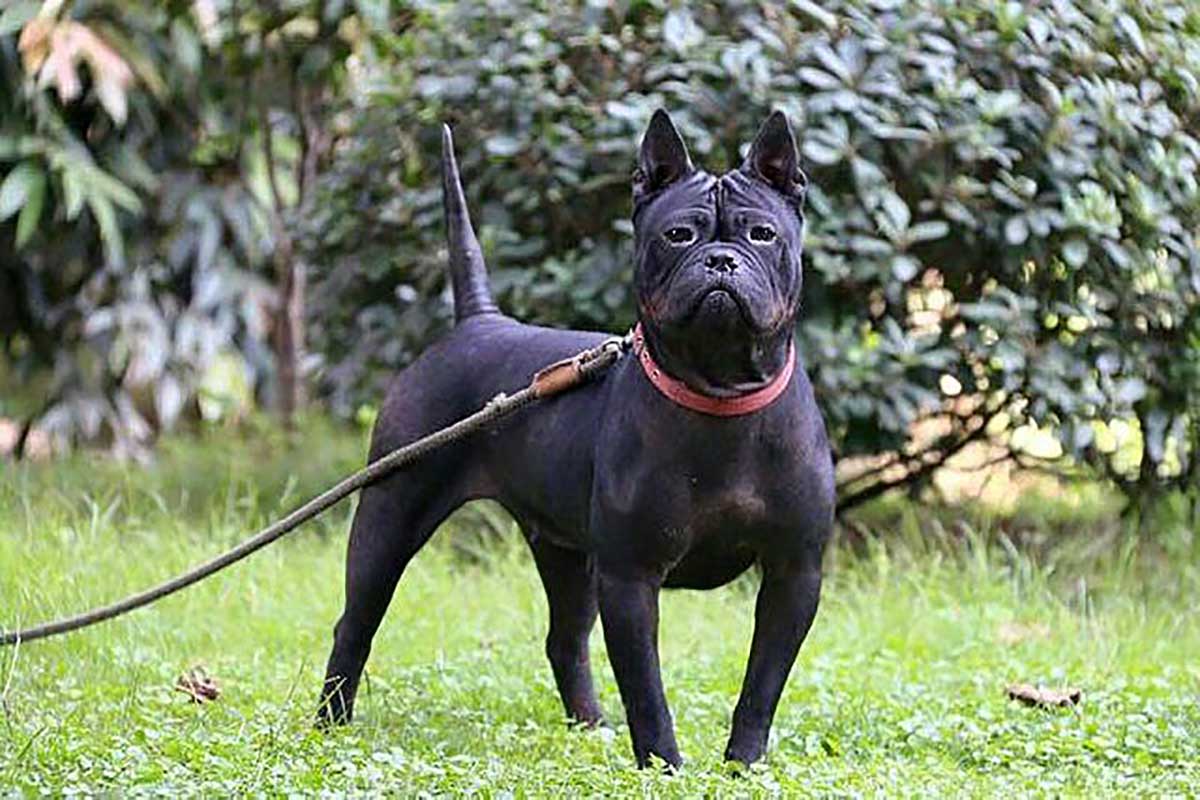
918, 473
269, 152
892, 460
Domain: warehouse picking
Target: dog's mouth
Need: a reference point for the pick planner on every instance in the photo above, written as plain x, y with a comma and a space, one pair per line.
717, 301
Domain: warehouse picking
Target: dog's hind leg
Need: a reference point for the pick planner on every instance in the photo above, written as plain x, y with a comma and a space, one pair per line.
395, 518
570, 582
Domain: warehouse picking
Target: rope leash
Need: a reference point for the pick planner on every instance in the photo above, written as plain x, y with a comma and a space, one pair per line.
554, 379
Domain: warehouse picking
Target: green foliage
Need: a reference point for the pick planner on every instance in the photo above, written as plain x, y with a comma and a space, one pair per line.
1004, 224
899, 687
136, 200
1004, 194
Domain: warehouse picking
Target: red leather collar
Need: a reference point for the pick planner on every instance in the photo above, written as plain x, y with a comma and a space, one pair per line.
680, 393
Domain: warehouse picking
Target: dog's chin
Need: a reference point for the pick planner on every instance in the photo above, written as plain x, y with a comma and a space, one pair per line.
719, 307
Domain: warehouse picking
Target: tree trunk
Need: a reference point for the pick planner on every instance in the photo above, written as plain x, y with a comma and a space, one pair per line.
287, 335
290, 273
288, 331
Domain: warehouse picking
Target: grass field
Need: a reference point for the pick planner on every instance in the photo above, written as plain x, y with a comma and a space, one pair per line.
899, 690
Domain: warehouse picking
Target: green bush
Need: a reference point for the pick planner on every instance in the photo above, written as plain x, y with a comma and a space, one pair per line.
1004, 214
148, 155
1004, 219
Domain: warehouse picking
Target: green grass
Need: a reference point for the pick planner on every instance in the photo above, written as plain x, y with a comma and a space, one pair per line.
898, 690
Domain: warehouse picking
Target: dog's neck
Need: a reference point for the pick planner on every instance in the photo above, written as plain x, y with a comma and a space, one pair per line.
720, 366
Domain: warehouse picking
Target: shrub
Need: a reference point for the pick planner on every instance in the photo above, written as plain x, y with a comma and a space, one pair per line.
149, 154
1004, 219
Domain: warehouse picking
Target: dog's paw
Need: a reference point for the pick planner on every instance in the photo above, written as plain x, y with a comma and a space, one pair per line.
331, 714
743, 757
654, 761
591, 723
734, 768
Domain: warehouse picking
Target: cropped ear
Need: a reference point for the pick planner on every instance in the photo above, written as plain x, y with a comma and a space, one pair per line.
775, 159
663, 158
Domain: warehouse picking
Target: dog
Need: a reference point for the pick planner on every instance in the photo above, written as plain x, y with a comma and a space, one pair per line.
695, 456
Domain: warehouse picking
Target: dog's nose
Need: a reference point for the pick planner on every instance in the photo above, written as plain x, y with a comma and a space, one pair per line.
721, 262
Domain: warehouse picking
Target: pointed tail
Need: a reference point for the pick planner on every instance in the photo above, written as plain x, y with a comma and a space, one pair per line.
468, 273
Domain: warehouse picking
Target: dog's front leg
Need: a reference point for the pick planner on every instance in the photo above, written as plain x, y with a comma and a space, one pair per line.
787, 603
629, 615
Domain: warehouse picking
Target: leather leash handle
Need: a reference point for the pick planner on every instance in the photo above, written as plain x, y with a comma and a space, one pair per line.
556, 378
570, 372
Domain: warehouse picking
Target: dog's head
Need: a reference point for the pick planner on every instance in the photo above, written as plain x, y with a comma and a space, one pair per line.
717, 268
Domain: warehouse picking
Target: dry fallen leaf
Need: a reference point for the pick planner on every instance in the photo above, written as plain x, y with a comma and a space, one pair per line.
1044, 698
1011, 633
197, 684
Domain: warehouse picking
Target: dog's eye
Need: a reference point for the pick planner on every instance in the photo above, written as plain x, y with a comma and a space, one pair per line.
679, 235
763, 234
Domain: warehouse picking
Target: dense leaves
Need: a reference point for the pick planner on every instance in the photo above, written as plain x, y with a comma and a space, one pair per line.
1003, 222
147, 154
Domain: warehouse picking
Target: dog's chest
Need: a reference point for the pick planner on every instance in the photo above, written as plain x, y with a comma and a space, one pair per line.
683, 507
727, 503
668, 482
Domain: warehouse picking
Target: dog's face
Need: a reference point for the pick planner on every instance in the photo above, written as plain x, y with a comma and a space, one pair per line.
718, 257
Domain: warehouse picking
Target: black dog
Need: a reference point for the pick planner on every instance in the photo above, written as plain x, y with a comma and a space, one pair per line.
687, 462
